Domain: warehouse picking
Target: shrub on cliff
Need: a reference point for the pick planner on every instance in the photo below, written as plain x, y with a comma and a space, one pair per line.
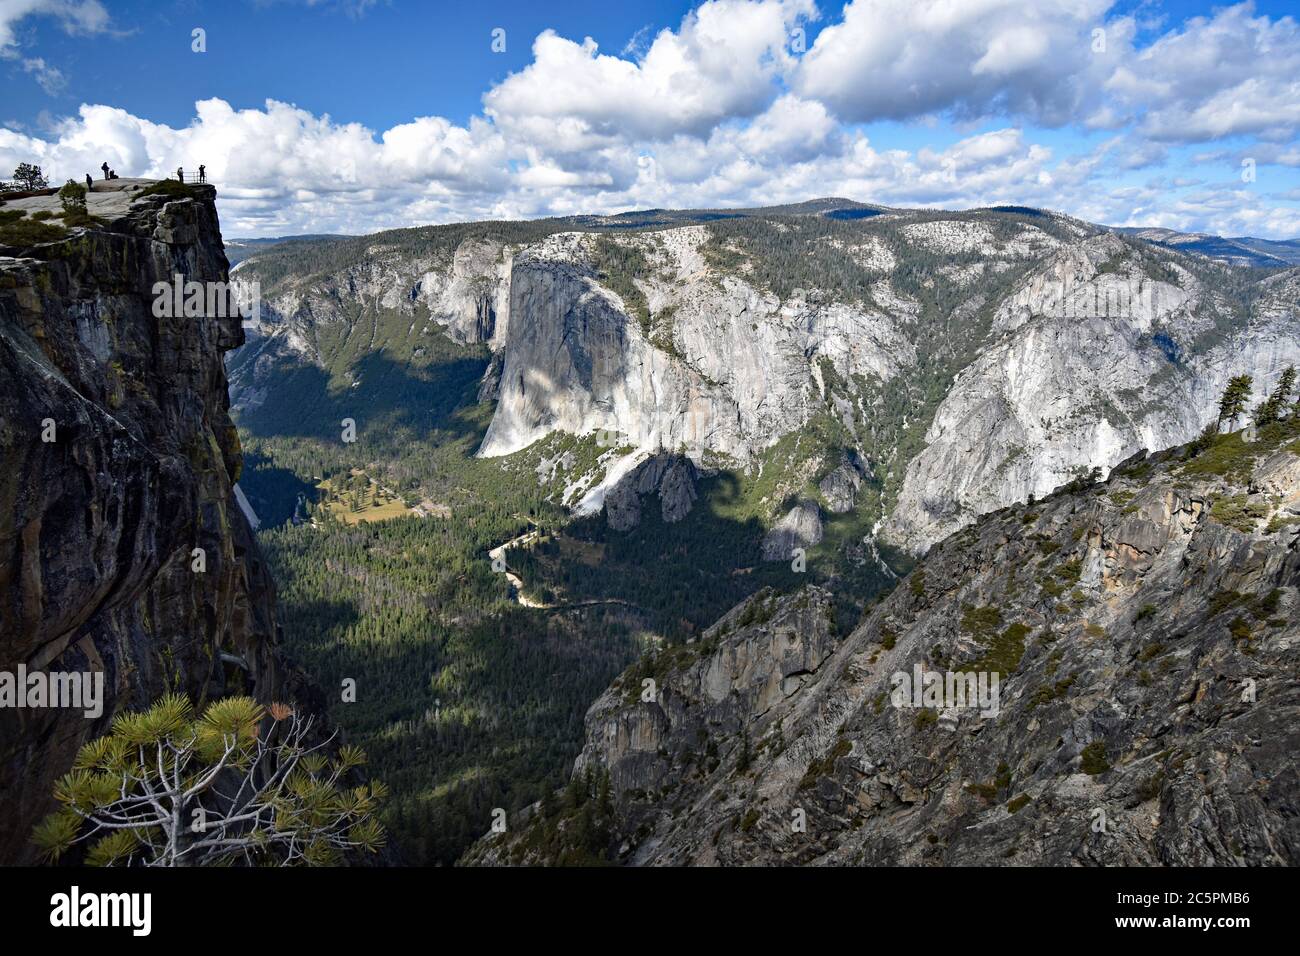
18, 232
170, 188
238, 784
72, 196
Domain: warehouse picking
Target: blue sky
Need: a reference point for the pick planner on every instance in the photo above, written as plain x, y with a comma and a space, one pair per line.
355, 116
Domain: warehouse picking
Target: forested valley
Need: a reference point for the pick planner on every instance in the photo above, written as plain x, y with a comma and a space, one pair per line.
466, 701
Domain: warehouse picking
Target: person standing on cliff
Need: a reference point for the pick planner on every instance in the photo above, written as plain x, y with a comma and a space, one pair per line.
180, 173
203, 173
90, 183
105, 169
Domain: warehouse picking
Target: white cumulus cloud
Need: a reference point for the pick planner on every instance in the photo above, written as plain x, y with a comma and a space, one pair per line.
722, 111
898, 59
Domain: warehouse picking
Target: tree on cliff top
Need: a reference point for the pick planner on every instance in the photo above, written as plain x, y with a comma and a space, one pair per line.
28, 177
239, 784
72, 196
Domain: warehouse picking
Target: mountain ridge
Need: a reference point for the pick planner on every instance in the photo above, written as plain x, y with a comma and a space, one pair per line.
811, 400
1249, 250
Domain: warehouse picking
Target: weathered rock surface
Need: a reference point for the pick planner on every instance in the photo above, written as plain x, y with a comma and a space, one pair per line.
730, 372
99, 526
381, 299
840, 487
1146, 631
800, 527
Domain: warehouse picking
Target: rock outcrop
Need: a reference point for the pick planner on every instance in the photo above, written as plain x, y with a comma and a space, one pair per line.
123, 550
839, 489
720, 366
1094, 361
668, 476
800, 527
1145, 632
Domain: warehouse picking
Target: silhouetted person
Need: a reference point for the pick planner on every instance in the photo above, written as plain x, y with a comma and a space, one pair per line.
203, 174
90, 183
105, 169
180, 173
112, 174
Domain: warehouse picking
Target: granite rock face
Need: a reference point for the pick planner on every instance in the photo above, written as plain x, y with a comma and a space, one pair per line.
120, 463
1092, 360
734, 370
840, 487
383, 298
1146, 635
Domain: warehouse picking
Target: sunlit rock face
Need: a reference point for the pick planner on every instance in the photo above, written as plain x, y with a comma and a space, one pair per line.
1093, 361
730, 371
1070, 348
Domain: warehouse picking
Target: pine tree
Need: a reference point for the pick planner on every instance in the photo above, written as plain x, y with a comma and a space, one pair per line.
1233, 402
574, 795
238, 784
1271, 409
604, 801
72, 196
1285, 384
28, 177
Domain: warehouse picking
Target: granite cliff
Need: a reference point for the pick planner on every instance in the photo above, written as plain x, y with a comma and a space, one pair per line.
123, 551
1090, 360
964, 361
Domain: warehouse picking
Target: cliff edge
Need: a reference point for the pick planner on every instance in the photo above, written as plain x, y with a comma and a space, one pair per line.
123, 552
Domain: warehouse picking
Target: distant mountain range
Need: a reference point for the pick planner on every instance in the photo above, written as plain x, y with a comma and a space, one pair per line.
1237, 251
237, 250
1247, 251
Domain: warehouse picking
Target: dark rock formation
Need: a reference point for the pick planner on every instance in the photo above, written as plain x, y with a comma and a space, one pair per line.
671, 477
840, 488
99, 527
